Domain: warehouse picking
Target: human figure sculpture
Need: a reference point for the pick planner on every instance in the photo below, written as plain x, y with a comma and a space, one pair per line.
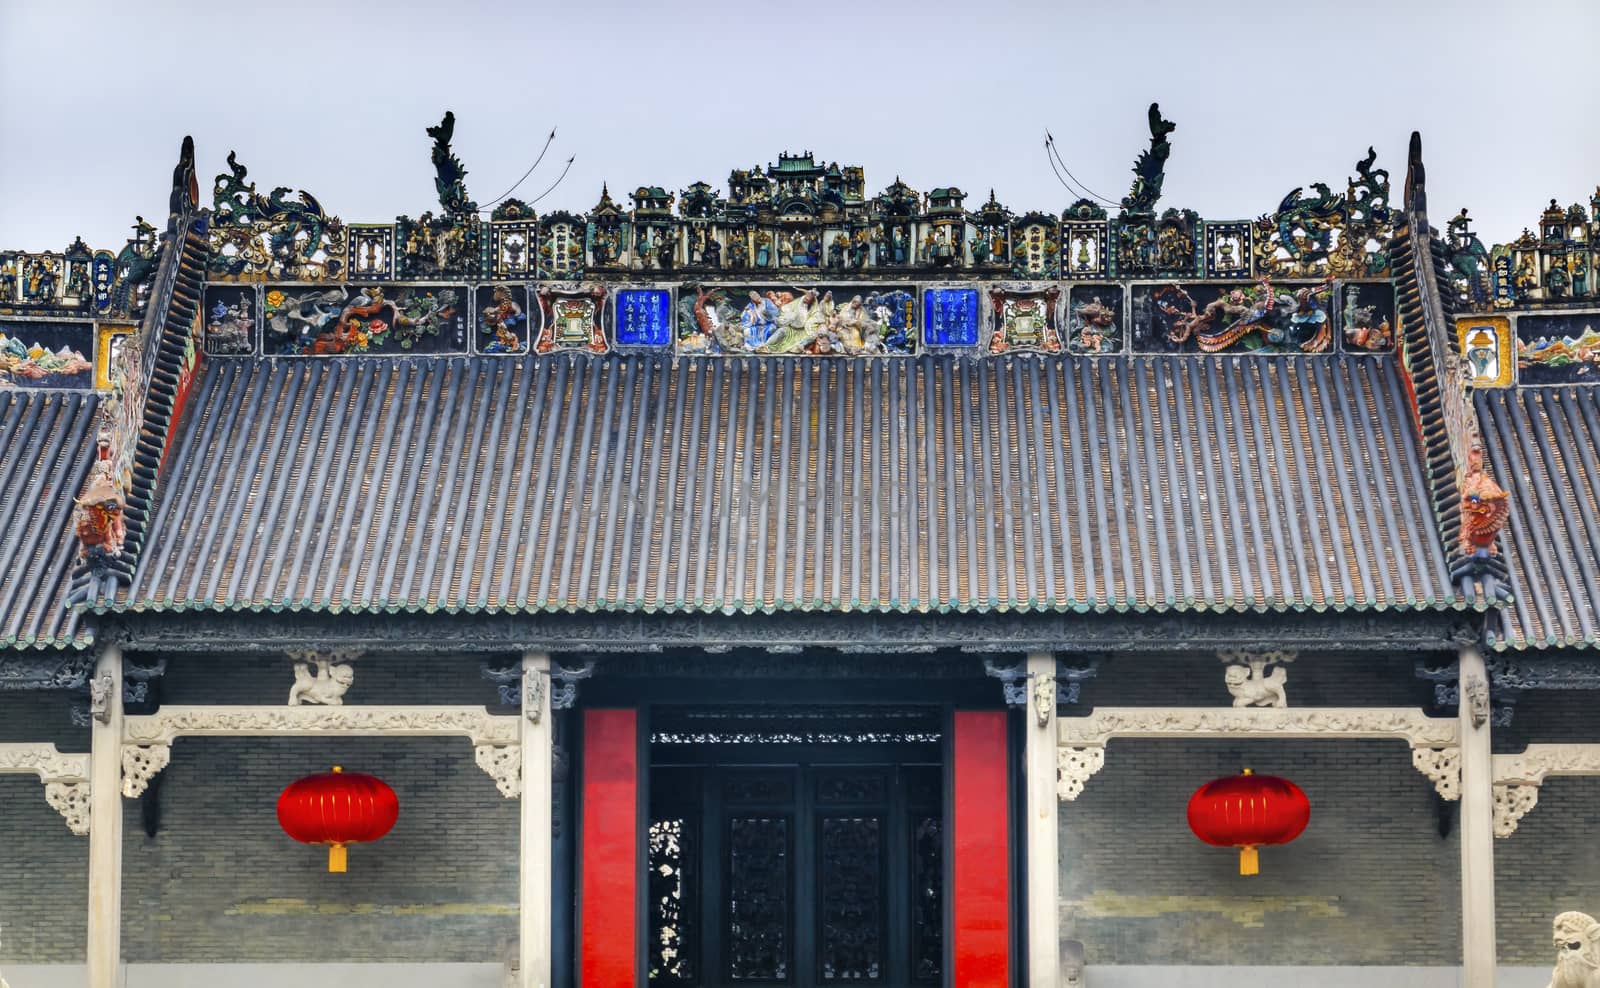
327, 686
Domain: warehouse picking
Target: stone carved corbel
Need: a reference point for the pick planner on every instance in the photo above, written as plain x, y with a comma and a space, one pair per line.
1477, 693
1075, 767
564, 684
100, 698
533, 695
136, 680
1442, 766
1511, 804
65, 776
1518, 776
1044, 700
140, 763
503, 762
1013, 681
71, 800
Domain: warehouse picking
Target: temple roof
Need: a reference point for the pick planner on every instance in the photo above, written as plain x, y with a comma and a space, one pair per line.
933, 483
1541, 442
46, 448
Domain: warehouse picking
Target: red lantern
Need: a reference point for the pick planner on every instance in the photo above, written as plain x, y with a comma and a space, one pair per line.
1246, 811
337, 808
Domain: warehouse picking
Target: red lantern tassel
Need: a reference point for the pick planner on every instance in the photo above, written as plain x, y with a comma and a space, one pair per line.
1249, 861
336, 859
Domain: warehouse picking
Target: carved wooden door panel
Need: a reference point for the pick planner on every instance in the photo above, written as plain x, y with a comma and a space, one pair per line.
801, 872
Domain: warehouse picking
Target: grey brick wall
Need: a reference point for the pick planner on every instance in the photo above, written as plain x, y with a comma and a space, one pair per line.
1552, 863
44, 867
221, 882
1369, 882
397, 679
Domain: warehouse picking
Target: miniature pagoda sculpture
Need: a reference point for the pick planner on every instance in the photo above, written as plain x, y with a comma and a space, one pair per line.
1249, 681
1577, 943
327, 686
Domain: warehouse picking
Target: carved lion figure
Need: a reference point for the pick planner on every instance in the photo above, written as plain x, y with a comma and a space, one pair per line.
1577, 943
327, 686
1254, 689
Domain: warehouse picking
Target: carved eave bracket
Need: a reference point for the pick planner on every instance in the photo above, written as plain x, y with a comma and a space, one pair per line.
1517, 778
1434, 741
147, 740
65, 776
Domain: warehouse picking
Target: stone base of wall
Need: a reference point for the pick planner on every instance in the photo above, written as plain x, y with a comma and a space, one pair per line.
268, 975
1220, 976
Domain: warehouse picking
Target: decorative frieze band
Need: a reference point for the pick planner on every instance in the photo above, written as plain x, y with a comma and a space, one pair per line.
1081, 741
1518, 776
147, 740
65, 776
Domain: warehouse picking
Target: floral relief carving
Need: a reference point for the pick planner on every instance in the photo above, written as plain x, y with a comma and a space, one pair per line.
1443, 766
504, 765
1074, 768
171, 722
65, 776
71, 800
1511, 804
140, 763
1434, 740
1518, 776
147, 740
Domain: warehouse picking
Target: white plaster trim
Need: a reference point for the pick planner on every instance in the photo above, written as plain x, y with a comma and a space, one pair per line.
147, 739
1435, 741
1518, 776
65, 776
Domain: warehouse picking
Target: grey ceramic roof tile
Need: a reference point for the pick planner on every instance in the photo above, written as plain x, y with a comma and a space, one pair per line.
935, 483
46, 448
1541, 443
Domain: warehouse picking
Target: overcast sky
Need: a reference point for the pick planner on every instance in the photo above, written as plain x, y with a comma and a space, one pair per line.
95, 97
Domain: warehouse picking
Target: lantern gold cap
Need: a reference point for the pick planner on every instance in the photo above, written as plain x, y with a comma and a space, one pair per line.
1248, 771
340, 768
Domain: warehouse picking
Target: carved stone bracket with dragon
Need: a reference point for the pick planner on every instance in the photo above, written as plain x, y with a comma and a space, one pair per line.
1081, 741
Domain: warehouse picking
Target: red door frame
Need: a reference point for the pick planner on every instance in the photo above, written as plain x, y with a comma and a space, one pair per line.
609, 871
980, 870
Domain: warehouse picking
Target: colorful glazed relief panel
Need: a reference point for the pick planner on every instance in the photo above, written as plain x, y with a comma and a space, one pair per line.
570, 319
820, 320
951, 317
1486, 350
1260, 317
642, 317
1558, 349
503, 319
1025, 320
109, 341
231, 319
1367, 320
1095, 319
43, 354
364, 319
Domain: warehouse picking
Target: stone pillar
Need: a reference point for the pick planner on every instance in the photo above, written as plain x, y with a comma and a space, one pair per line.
534, 915
1043, 833
1477, 824
105, 821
